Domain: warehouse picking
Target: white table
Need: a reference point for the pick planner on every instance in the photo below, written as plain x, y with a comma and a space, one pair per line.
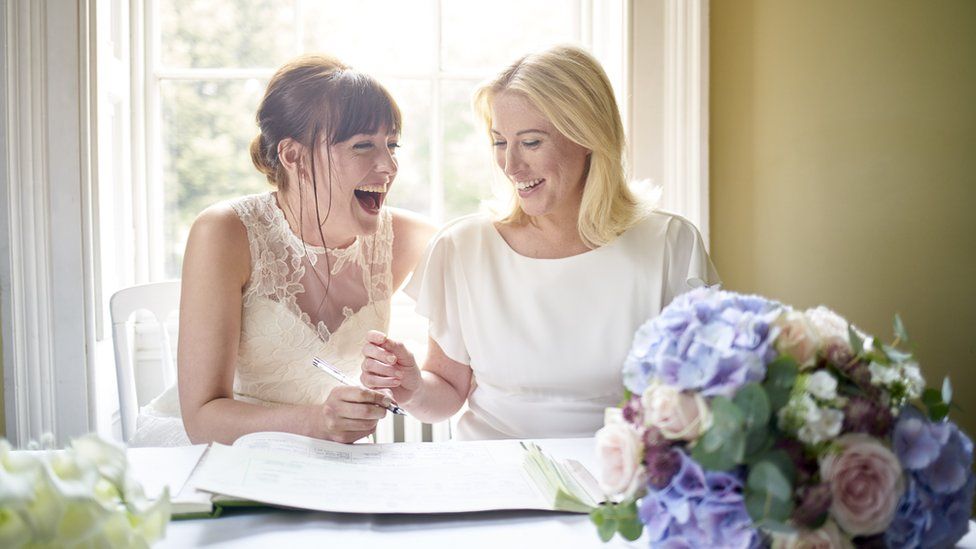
282, 529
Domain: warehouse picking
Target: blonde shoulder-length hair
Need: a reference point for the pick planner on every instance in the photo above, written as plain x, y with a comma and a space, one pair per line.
570, 88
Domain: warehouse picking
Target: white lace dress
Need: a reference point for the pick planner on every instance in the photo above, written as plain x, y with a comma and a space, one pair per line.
288, 316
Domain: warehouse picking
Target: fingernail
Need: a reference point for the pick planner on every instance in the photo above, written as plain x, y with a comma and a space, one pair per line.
390, 358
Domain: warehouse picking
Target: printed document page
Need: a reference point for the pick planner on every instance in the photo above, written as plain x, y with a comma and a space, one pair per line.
448, 477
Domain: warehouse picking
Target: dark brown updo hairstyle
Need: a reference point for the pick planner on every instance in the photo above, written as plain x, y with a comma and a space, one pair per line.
314, 95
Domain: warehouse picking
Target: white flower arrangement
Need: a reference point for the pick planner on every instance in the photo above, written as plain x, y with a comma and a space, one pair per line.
81, 496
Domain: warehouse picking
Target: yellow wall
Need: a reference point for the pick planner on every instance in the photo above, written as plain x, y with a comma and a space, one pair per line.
843, 166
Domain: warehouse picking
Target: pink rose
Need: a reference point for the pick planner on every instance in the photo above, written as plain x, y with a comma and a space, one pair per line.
865, 484
827, 536
620, 451
678, 415
797, 338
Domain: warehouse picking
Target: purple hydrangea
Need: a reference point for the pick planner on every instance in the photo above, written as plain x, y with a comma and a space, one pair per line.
937, 457
706, 340
698, 509
938, 453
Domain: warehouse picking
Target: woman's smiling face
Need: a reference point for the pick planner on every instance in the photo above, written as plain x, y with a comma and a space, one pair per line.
363, 169
546, 168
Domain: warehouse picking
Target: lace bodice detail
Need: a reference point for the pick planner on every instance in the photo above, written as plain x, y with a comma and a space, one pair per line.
303, 301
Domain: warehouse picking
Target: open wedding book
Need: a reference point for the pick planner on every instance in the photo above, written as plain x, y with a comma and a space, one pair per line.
289, 470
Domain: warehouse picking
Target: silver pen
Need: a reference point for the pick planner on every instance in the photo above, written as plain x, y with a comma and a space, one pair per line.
341, 378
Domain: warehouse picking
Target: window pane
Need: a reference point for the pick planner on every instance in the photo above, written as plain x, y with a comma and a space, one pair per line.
491, 35
220, 33
468, 168
411, 189
373, 35
207, 128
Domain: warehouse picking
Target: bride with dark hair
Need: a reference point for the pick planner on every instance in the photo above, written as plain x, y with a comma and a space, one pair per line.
307, 269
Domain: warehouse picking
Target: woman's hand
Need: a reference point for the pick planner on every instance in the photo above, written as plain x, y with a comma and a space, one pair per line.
350, 413
389, 365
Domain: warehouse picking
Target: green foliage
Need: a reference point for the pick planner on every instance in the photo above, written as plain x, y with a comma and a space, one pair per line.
936, 406
754, 403
723, 446
769, 491
780, 378
857, 344
900, 333
612, 518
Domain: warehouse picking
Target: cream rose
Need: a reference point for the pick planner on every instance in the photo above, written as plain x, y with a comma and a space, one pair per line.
831, 329
678, 415
865, 484
797, 338
620, 450
825, 537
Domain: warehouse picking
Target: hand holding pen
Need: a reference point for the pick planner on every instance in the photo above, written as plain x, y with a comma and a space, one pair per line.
341, 378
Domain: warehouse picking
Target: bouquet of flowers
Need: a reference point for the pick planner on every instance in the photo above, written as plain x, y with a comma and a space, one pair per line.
83, 496
748, 424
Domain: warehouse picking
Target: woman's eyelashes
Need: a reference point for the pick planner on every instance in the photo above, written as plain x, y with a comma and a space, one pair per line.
528, 143
368, 145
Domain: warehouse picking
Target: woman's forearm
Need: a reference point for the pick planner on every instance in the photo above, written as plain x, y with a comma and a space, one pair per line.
225, 419
435, 400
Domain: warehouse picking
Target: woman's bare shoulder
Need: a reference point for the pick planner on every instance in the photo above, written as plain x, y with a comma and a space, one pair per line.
218, 237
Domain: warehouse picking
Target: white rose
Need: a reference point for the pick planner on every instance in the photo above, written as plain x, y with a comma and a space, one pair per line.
678, 415
620, 451
831, 328
822, 385
797, 338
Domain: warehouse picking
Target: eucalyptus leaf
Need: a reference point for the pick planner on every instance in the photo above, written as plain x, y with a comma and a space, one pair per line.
724, 456
900, 331
762, 507
607, 529
766, 476
754, 404
780, 377
603, 518
897, 355
857, 344
776, 526
727, 419
758, 443
631, 529
782, 461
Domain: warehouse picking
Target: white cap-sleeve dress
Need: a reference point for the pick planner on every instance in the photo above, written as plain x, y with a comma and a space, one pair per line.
546, 338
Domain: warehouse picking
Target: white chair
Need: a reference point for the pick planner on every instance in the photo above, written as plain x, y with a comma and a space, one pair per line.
163, 298
160, 299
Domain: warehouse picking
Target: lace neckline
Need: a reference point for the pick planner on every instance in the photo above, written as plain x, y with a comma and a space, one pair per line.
341, 254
